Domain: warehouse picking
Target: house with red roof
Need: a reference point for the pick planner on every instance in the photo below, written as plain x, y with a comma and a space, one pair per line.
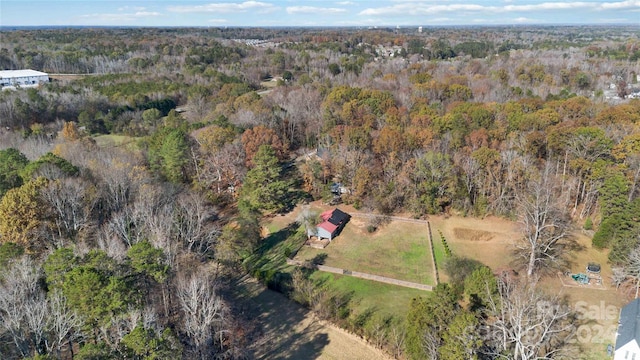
332, 223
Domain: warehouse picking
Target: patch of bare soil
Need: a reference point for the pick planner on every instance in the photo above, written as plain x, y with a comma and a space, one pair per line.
489, 240
358, 225
264, 232
286, 330
317, 243
472, 235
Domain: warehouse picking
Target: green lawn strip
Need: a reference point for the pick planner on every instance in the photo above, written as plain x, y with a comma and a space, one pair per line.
438, 250
384, 299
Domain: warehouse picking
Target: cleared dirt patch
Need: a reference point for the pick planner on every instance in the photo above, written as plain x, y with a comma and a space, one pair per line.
472, 235
488, 240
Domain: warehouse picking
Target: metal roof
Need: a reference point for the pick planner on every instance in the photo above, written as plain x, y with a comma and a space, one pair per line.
20, 73
629, 328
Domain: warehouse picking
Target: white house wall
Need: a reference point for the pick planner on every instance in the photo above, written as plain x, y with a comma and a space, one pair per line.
627, 351
322, 233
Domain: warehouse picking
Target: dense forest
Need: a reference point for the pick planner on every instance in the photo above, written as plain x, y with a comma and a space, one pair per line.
127, 251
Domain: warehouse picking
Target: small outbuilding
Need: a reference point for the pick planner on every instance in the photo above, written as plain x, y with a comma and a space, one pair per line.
628, 335
23, 78
332, 223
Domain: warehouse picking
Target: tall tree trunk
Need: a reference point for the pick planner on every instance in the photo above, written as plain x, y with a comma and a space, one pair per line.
532, 262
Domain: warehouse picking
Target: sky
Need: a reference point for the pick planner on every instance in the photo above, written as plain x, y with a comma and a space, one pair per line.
402, 13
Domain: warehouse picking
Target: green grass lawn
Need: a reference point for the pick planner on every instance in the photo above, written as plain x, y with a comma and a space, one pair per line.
399, 250
393, 251
272, 253
438, 251
379, 298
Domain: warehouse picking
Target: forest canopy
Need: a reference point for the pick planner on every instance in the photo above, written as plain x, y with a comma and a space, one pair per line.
133, 185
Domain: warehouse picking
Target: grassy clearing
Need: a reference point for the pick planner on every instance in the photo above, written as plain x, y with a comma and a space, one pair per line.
286, 330
111, 140
398, 255
271, 256
398, 250
381, 299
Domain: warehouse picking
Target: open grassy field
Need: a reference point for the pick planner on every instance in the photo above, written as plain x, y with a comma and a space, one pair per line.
111, 140
398, 250
393, 251
270, 258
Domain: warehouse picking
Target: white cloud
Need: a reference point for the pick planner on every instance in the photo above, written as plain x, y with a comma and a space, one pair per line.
218, 21
550, 6
314, 10
225, 7
426, 8
524, 20
103, 18
345, 3
631, 4
420, 9
133, 8
146, 13
440, 20
615, 21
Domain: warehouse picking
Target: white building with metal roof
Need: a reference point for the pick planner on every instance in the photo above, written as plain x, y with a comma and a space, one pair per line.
23, 78
628, 336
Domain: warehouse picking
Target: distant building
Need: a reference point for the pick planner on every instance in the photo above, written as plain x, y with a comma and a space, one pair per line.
332, 222
628, 336
22, 78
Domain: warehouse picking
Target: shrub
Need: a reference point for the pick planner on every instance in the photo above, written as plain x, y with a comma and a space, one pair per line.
447, 251
588, 224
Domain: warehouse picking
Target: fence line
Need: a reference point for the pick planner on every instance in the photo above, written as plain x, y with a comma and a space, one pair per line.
357, 274
433, 253
397, 218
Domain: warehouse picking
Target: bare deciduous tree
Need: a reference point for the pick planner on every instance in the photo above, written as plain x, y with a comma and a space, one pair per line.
192, 221
224, 169
203, 309
63, 324
397, 336
71, 203
430, 343
525, 323
20, 305
545, 224
629, 270
36, 310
